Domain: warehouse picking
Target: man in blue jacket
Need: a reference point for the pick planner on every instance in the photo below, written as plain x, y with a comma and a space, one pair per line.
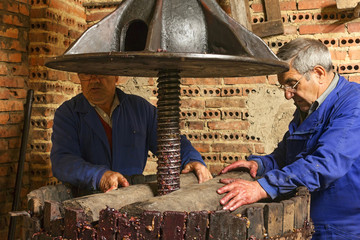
104, 134
321, 149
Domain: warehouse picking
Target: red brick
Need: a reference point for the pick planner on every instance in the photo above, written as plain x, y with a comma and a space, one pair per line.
318, 4
24, 9
16, 117
17, 82
4, 145
15, 57
4, 93
18, 93
3, 69
20, 70
195, 125
323, 28
5, 170
10, 131
96, 16
353, 27
338, 54
12, 20
234, 125
4, 118
354, 54
245, 80
354, 78
290, 29
201, 147
10, 32
8, 156
257, 7
14, 143
287, 5
225, 147
39, 158
193, 103
225, 102
201, 81
10, 105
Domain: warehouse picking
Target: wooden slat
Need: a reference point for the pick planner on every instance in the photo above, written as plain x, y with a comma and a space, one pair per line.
268, 28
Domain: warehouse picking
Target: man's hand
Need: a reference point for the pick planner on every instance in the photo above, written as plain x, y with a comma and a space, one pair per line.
240, 192
111, 180
251, 165
200, 170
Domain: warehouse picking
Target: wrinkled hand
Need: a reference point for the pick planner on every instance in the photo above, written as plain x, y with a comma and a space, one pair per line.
200, 170
111, 180
251, 165
240, 192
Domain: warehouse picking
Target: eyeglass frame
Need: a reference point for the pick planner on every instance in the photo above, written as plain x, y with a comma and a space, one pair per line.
292, 89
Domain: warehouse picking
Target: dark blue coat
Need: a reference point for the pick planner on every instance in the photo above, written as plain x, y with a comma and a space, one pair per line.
323, 154
80, 151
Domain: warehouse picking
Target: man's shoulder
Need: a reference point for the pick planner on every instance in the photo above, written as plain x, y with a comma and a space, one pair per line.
131, 98
76, 102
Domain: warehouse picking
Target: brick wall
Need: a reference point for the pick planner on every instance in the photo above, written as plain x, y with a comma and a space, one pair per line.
14, 27
225, 118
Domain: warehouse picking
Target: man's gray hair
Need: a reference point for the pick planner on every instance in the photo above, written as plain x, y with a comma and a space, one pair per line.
303, 54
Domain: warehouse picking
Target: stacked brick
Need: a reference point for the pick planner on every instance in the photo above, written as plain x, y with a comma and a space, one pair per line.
14, 27
53, 26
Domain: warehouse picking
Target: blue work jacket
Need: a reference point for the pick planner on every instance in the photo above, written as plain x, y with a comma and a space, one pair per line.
323, 154
80, 152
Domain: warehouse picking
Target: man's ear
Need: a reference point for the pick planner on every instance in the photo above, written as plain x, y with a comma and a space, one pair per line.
320, 73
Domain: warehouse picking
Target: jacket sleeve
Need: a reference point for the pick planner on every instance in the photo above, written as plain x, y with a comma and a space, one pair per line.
187, 152
275, 160
67, 163
330, 158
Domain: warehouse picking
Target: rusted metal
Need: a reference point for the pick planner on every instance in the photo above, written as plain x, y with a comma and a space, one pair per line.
73, 219
173, 225
169, 162
144, 37
197, 225
108, 223
150, 225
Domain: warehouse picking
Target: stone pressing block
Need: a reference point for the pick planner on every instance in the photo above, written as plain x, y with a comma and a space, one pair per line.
93, 204
192, 197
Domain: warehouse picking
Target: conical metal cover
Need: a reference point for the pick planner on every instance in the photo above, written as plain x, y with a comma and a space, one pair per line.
144, 37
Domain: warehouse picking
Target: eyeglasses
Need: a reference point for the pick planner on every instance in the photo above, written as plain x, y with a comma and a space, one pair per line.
289, 88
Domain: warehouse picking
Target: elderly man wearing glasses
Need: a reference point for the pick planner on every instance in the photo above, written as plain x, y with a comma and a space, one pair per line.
321, 149
103, 134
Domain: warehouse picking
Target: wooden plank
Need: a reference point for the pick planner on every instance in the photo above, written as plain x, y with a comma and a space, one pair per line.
240, 11
273, 219
272, 10
256, 219
268, 28
346, 4
150, 225
288, 215
197, 225
173, 225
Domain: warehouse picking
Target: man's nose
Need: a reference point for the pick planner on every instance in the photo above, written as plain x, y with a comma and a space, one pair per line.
288, 95
94, 78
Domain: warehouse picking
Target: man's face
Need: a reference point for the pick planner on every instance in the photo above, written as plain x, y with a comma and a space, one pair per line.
98, 89
306, 91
